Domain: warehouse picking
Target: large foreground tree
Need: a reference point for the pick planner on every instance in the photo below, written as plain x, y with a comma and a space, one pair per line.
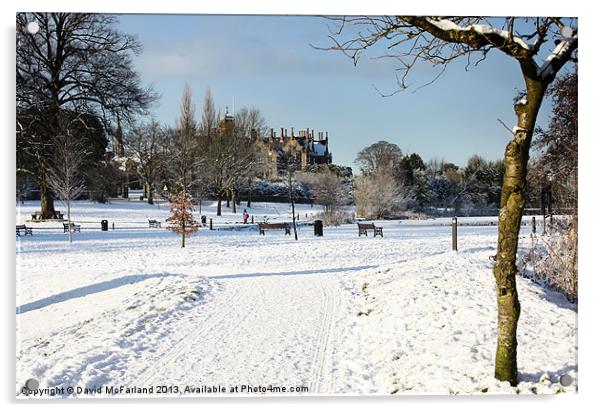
72, 62
439, 41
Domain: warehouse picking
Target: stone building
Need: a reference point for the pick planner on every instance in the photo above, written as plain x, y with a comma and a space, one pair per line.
305, 147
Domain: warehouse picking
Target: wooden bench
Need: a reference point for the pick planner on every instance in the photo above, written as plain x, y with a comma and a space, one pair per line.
24, 230
364, 227
154, 223
74, 227
38, 215
272, 226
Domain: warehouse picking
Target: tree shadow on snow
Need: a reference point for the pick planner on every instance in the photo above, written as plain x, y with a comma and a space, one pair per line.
553, 375
295, 272
87, 290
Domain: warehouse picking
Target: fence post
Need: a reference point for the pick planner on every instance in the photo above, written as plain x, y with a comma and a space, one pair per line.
534, 227
112, 225
455, 233
210, 223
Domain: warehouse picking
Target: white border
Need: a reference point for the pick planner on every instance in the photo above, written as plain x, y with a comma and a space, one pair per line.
589, 153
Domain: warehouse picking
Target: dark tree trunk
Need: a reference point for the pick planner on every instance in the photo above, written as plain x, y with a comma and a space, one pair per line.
149, 194
511, 211
234, 201
292, 200
183, 233
46, 200
219, 205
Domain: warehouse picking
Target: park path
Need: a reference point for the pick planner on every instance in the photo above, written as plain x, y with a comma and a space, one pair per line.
261, 329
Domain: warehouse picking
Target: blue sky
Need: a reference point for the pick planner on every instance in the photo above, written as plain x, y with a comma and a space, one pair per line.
267, 62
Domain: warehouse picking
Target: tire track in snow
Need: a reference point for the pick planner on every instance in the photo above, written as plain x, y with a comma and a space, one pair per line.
322, 362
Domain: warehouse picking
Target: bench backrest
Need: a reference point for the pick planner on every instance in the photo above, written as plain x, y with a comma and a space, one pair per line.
365, 225
21, 227
274, 225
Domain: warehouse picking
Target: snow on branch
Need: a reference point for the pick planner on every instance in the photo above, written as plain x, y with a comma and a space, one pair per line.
483, 29
557, 58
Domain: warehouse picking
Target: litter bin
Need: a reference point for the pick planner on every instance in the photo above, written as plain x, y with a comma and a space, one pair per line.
318, 228
203, 220
104, 225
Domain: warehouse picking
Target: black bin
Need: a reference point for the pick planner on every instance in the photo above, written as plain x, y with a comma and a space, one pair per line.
104, 225
203, 220
318, 228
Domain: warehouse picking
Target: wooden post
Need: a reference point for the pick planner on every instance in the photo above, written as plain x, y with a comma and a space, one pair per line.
544, 224
210, 223
455, 233
252, 219
534, 227
112, 225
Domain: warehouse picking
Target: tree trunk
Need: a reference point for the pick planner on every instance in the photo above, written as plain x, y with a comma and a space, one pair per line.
183, 234
512, 204
69, 220
233, 201
219, 205
126, 185
290, 194
46, 200
227, 200
149, 194
249, 197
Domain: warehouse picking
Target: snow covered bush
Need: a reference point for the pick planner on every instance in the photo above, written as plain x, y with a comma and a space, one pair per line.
552, 258
337, 217
381, 196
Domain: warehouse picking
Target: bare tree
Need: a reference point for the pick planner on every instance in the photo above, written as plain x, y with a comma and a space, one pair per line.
75, 62
208, 115
378, 155
380, 195
184, 149
144, 144
228, 160
64, 175
438, 41
325, 187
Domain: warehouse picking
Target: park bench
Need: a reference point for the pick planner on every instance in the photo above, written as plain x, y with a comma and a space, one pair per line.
273, 226
154, 223
364, 227
74, 227
38, 215
24, 230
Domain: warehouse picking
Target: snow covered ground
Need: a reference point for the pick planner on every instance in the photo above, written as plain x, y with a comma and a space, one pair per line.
337, 314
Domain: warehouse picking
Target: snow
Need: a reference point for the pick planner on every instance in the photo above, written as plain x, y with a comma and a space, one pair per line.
338, 314
562, 47
448, 25
320, 149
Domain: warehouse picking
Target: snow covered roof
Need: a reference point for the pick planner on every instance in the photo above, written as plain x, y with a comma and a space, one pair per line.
319, 149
